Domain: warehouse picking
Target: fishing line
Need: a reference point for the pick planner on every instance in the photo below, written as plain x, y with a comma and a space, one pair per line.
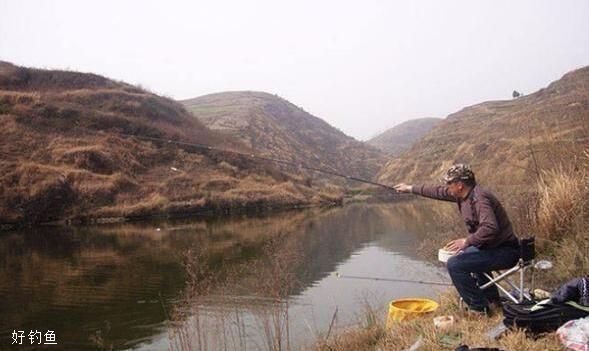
270, 159
391, 280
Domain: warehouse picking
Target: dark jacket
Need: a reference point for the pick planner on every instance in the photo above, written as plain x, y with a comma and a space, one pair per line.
485, 218
576, 290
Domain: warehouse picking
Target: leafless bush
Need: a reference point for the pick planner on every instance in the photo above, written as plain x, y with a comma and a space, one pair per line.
562, 201
241, 307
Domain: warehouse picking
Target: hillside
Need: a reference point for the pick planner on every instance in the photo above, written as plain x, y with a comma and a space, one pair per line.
274, 127
507, 142
401, 137
73, 146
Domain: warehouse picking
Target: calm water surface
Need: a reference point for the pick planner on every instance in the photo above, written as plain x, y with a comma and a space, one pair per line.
127, 286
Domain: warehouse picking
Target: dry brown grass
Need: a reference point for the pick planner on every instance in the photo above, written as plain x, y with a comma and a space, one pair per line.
66, 153
563, 220
276, 128
562, 203
468, 330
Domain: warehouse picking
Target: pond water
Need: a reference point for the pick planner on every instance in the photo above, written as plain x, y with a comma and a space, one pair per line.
277, 281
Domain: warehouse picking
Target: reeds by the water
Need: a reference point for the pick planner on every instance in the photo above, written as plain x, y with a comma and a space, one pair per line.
216, 316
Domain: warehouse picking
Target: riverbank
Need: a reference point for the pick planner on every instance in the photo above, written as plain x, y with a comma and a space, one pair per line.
468, 330
166, 210
556, 212
162, 208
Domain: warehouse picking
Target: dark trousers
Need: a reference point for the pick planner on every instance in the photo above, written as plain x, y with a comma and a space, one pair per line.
466, 270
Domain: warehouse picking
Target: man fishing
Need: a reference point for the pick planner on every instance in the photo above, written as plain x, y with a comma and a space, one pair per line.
491, 243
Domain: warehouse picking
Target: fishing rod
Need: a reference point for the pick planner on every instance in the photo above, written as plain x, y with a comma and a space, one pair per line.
270, 159
338, 275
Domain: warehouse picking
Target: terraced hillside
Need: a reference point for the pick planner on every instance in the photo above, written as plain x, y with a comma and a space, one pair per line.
274, 127
508, 142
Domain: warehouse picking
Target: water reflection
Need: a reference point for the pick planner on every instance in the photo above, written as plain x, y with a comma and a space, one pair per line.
80, 282
118, 286
349, 240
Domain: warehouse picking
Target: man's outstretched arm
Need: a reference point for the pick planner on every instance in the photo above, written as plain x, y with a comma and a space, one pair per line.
433, 192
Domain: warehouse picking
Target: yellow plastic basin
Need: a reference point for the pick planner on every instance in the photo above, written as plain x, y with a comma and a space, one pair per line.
406, 309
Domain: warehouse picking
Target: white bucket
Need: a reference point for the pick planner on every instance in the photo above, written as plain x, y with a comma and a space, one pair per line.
444, 255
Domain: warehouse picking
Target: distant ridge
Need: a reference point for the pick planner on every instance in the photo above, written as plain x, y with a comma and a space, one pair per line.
274, 127
401, 137
506, 141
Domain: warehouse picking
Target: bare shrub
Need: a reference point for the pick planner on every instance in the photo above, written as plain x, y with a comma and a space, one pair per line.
570, 259
562, 221
562, 197
237, 307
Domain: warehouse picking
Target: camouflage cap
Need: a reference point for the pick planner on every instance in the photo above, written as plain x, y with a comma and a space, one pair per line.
459, 171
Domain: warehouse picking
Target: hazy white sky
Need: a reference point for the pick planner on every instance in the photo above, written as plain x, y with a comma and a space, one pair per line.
363, 66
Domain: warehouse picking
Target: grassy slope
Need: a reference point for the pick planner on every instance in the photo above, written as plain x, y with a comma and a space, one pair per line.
65, 153
505, 141
275, 127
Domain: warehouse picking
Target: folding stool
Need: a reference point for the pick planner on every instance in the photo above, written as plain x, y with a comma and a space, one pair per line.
527, 253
